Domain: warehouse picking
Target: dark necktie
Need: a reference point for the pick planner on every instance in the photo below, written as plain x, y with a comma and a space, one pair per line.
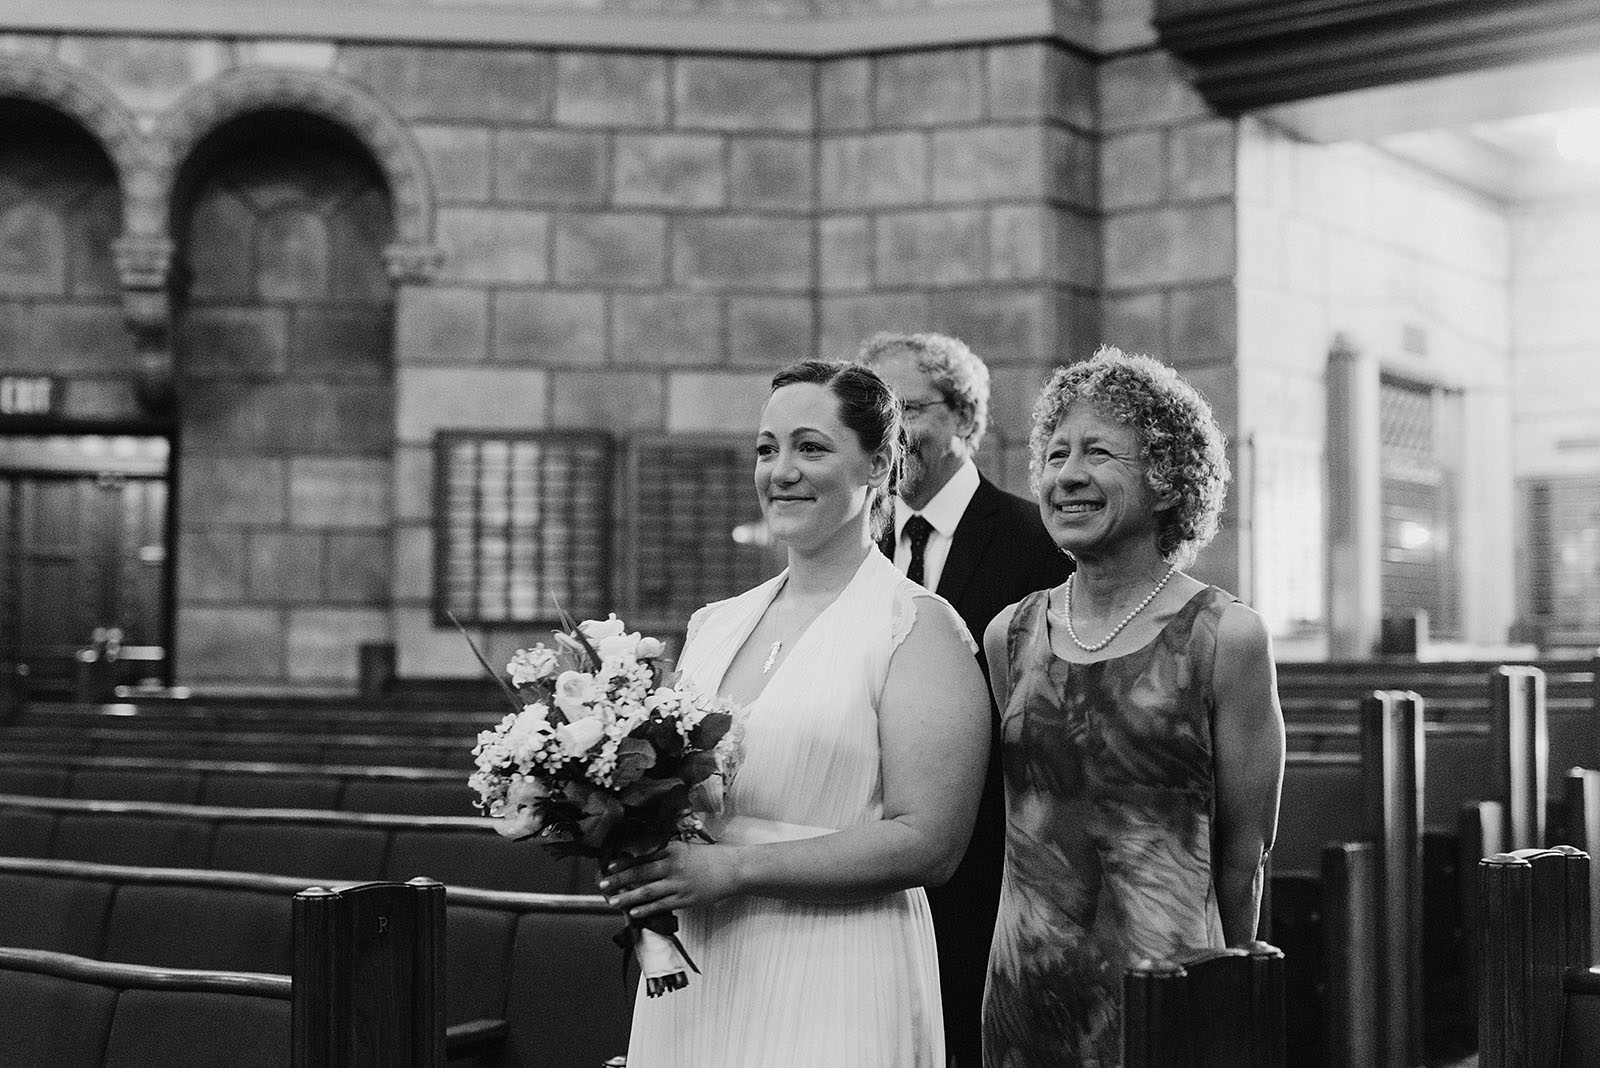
917, 531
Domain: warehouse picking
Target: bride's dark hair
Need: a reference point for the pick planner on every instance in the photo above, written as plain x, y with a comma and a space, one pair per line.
868, 407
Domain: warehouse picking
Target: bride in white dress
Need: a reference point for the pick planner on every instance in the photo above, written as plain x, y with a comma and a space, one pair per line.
863, 755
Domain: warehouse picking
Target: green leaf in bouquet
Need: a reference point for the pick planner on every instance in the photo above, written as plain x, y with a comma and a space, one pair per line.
661, 734
652, 791
635, 756
711, 729
698, 767
600, 814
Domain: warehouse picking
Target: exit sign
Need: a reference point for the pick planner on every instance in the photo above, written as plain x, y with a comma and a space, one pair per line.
29, 395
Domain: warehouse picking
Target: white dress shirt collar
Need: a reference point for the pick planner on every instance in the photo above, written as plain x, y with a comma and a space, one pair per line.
943, 513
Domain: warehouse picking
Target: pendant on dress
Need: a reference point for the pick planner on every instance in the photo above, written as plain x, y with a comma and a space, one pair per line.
772, 656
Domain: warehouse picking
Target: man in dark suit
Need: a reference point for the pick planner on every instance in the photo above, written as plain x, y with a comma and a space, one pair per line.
981, 549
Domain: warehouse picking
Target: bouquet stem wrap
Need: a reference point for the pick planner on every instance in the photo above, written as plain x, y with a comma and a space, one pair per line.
663, 961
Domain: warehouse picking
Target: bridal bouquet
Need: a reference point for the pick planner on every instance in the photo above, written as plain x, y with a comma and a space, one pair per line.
606, 756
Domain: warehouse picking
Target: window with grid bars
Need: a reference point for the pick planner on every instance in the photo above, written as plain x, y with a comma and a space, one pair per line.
523, 526
1417, 426
697, 534
1561, 557
526, 527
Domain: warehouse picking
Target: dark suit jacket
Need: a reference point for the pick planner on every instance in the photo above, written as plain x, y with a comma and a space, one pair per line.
999, 554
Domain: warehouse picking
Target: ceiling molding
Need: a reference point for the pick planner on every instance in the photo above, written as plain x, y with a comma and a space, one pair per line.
1249, 54
506, 23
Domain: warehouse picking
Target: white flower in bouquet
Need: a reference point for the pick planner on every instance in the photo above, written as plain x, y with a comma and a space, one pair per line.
580, 735
618, 649
519, 815
607, 758
576, 693
531, 665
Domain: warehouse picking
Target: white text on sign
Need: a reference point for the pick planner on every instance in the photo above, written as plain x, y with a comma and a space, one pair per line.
25, 396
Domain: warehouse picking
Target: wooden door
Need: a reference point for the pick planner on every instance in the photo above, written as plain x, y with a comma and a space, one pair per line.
80, 549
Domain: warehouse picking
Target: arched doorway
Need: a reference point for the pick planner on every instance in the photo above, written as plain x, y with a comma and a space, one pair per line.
283, 340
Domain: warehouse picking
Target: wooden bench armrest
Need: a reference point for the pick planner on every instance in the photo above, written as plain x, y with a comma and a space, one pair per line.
473, 1035
1582, 980
143, 976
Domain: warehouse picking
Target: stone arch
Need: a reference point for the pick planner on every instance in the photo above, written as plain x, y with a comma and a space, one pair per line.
413, 255
83, 99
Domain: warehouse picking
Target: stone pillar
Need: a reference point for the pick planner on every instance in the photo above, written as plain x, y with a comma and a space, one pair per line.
143, 265
413, 266
1355, 531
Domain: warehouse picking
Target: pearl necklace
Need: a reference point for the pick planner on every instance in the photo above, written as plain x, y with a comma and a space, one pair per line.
1103, 642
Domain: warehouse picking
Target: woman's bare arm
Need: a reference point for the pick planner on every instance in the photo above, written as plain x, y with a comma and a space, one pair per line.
1248, 737
933, 728
997, 652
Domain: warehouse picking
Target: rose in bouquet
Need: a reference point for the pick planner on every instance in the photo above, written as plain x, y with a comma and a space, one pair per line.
606, 755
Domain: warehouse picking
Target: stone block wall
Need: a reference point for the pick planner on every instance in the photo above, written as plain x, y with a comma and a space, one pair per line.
283, 337
1167, 179
957, 192
637, 240
60, 303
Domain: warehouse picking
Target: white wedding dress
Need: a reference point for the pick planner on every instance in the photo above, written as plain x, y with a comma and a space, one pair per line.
785, 984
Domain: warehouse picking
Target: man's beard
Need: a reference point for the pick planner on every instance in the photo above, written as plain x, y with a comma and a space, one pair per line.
913, 471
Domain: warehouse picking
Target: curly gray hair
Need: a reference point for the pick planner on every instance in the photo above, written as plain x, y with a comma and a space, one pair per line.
1180, 443
952, 368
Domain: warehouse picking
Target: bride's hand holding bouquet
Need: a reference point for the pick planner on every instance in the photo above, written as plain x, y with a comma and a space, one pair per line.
605, 755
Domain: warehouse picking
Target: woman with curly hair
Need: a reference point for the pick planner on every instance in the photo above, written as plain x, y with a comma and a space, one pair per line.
1142, 740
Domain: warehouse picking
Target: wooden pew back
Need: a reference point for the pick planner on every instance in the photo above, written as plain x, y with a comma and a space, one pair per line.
1214, 1008
1580, 818
369, 976
187, 743
316, 844
247, 784
69, 1012
1533, 928
504, 951
1580, 1022
314, 715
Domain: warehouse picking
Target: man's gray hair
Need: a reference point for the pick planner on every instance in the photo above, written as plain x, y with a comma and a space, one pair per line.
954, 369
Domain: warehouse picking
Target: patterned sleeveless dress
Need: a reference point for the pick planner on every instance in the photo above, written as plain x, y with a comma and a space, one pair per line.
1110, 796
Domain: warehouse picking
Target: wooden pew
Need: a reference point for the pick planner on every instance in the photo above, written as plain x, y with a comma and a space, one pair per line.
1580, 825
365, 992
1214, 1008
1372, 899
457, 850
1519, 752
1533, 930
369, 975
1449, 686
314, 714
235, 783
447, 751
506, 953
1580, 1019
62, 1011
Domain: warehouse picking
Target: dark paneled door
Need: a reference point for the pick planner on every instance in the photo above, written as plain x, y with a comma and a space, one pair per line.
80, 550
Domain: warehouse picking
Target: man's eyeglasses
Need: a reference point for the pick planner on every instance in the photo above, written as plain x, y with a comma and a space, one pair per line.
915, 408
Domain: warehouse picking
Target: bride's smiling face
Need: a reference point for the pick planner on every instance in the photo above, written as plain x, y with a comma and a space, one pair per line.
812, 475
